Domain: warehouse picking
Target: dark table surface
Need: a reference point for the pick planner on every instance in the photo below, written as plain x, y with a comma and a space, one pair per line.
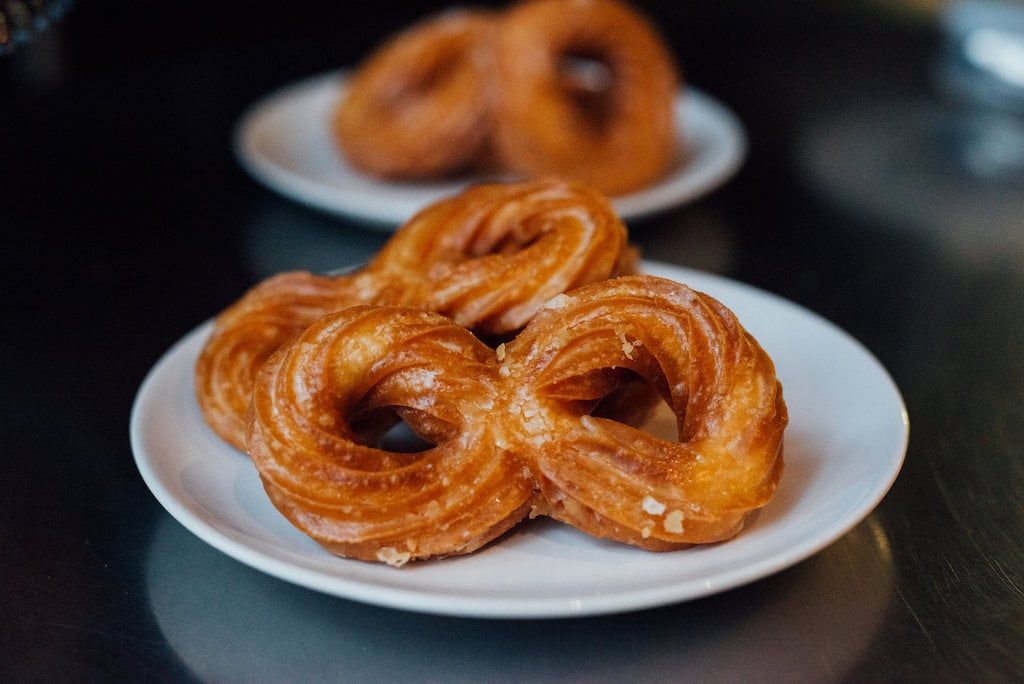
126, 221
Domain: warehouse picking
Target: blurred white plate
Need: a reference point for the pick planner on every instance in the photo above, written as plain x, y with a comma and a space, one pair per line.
284, 142
843, 449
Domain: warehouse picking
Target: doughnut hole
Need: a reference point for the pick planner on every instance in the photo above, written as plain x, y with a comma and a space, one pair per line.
399, 430
638, 403
588, 81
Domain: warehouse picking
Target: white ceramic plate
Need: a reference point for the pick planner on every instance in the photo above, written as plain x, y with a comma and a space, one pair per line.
284, 142
844, 446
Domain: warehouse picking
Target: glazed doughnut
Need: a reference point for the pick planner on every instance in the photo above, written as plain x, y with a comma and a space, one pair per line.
513, 429
616, 136
366, 503
250, 330
422, 104
489, 258
612, 480
498, 252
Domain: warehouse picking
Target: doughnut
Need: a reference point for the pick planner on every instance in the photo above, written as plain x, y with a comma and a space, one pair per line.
498, 252
612, 480
612, 126
514, 429
250, 330
422, 104
366, 503
489, 258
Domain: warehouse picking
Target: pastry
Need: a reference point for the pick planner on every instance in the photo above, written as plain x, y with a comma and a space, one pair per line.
580, 89
422, 104
609, 124
492, 256
361, 502
514, 428
614, 481
488, 258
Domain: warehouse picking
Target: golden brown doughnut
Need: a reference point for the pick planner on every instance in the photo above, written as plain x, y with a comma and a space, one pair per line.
612, 480
616, 136
498, 252
250, 330
422, 104
489, 257
366, 503
513, 429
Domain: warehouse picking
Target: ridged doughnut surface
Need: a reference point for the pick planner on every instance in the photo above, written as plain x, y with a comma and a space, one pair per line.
615, 132
422, 105
489, 258
612, 480
250, 330
513, 428
498, 252
362, 502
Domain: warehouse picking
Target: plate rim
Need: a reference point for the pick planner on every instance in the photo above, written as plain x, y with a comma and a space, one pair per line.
375, 216
456, 605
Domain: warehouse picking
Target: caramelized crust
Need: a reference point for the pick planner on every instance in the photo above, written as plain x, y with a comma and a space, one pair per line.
615, 132
580, 89
498, 252
512, 429
365, 503
488, 258
250, 330
422, 104
612, 480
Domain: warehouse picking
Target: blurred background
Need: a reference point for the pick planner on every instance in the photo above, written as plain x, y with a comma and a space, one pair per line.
884, 189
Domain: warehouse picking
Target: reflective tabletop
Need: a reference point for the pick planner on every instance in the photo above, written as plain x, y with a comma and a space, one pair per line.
874, 194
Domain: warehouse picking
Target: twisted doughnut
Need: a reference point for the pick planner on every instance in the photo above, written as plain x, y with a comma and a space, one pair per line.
422, 104
612, 480
377, 505
513, 430
250, 330
617, 135
489, 258
498, 252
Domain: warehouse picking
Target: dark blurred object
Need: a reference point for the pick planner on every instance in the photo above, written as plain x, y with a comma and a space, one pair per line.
20, 20
984, 55
947, 165
952, 175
